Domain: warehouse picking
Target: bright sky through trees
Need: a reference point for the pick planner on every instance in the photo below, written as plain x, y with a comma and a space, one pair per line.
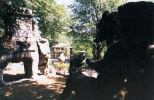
138, 0
65, 2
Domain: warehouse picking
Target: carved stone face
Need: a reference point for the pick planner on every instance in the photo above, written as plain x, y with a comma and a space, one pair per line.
108, 27
101, 27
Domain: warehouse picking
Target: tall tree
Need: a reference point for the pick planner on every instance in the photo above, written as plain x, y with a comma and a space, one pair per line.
51, 17
87, 13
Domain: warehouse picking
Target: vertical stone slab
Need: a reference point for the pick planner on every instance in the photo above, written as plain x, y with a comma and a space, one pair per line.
18, 23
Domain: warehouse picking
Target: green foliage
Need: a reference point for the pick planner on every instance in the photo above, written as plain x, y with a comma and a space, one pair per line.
67, 52
83, 46
86, 14
1, 27
54, 20
51, 17
61, 65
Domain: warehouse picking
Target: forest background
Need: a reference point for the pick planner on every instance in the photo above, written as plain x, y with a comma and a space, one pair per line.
73, 23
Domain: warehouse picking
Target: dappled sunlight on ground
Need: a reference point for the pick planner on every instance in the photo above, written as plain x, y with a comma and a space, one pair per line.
50, 87
14, 68
28, 90
32, 90
20, 88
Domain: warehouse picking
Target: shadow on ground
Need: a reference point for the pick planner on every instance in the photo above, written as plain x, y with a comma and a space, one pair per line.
27, 89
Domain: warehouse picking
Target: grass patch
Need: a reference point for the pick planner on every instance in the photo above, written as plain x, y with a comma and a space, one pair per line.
61, 65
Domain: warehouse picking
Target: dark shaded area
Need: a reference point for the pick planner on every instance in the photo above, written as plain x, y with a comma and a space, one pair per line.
108, 28
128, 62
137, 23
84, 88
81, 87
11, 78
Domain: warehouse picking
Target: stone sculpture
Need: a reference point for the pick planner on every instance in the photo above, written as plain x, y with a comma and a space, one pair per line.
22, 42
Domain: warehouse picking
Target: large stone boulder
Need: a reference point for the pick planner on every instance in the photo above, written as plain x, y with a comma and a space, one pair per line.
129, 62
137, 22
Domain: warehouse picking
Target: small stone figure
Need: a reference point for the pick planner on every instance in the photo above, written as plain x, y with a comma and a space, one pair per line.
74, 74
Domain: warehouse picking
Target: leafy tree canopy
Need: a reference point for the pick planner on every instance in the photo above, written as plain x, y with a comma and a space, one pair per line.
86, 14
51, 17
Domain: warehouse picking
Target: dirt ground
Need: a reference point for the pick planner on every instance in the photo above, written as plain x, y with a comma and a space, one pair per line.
19, 88
50, 88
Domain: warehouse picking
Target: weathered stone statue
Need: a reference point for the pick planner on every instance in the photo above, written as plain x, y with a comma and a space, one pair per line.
22, 42
108, 28
129, 62
75, 76
137, 36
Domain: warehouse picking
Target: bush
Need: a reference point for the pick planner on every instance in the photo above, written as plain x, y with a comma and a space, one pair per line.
84, 46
